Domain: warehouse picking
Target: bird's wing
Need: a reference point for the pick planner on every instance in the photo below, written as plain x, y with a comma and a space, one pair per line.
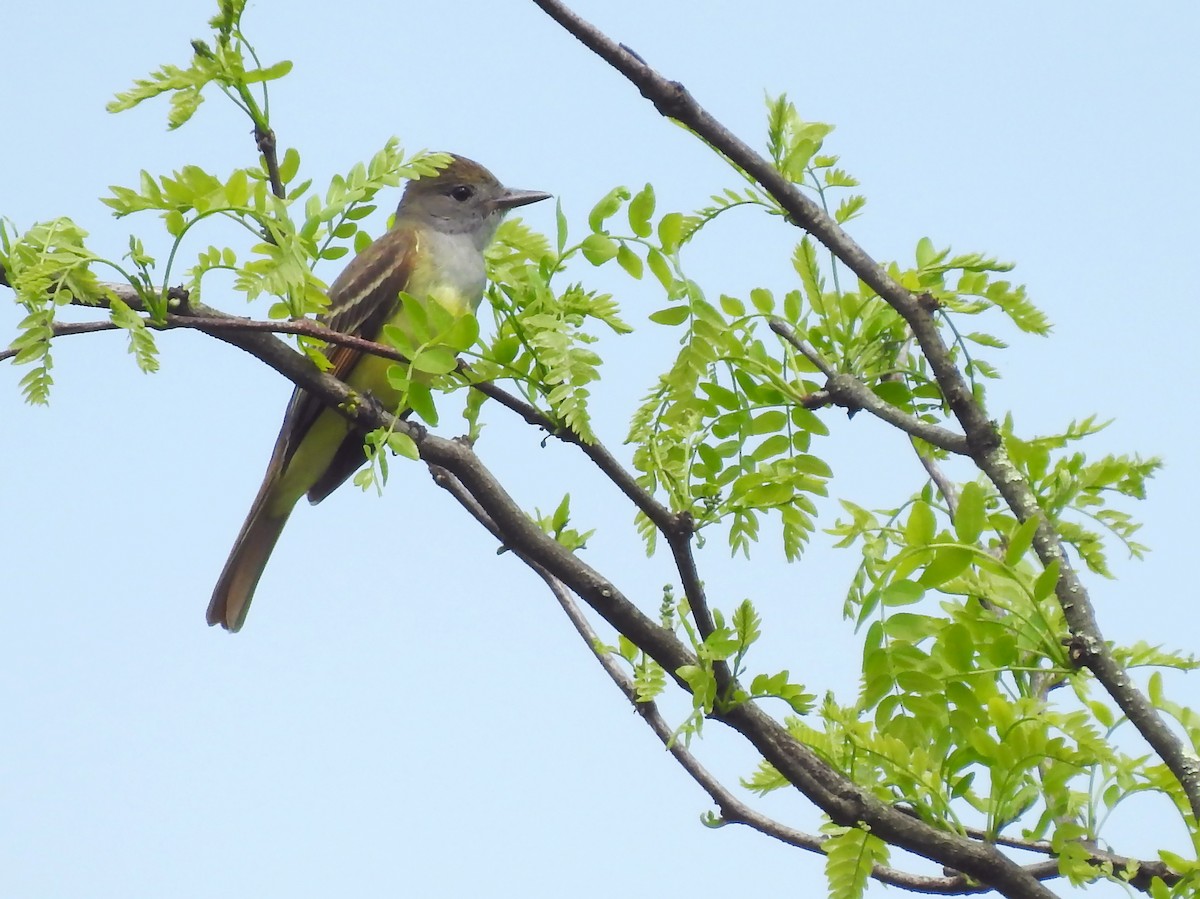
361, 300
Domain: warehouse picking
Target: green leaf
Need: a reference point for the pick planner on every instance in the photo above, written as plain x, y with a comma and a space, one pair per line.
764, 684
767, 495
289, 166
671, 315
812, 465
775, 445
792, 305
420, 399
849, 208
649, 681
971, 514
850, 857
302, 188
641, 208
660, 268
921, 525
732, 306
607, 207
1044, 586
462, 334
804, 261
435, 361
947, 562
599, 248
670, 231
720, 644
840, 178
901, 593
562, 514
769, 422
560, 220
141, 341
1020, 540
184, 104
910, 626
702, 684
237, 188
630, 261
762, 300
403, 445
795, 696
747, 623
505, 349
270, 73
985, 340
174, 222
399, 339
926, 254
398, 378
627, 649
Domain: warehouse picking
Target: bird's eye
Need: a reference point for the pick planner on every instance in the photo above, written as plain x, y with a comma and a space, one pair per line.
462, 193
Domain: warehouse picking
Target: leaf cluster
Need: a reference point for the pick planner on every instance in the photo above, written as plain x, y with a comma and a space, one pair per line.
728, 643
223, 64
543, 338
49, 267
963, 648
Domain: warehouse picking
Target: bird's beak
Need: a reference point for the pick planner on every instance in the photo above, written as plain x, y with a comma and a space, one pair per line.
511, 198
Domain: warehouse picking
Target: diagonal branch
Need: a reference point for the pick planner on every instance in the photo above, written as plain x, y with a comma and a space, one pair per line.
944, 485
848, 391
986, 449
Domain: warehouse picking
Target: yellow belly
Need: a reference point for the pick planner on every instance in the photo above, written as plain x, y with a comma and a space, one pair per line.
318, 447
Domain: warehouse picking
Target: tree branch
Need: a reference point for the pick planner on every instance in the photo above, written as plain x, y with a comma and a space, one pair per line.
983, 440
849, 392
264, 138
944, 485
65, 329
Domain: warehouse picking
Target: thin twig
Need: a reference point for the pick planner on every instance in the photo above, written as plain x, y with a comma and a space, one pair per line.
803, 347
848, 391
944, 485
265, 139
64, 329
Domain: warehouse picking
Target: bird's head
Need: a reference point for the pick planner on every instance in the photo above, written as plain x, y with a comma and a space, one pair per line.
463, 197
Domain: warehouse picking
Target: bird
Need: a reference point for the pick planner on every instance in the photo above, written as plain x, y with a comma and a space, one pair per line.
433, 253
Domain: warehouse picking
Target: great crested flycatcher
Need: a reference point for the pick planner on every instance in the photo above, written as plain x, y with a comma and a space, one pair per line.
434, 253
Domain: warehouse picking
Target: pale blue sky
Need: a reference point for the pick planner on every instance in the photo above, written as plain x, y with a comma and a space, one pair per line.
411, 714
